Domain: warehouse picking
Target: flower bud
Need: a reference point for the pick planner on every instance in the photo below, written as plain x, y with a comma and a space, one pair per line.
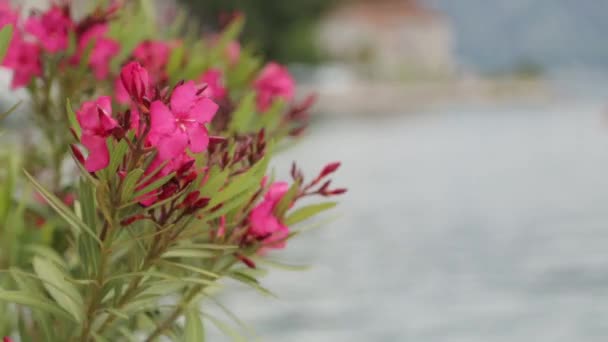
168, 191
191, 198
201, 203
77, 154
329, 169
130, 220
135, 79
248, 262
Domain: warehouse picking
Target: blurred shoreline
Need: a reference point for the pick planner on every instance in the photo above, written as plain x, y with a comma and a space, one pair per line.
371, 98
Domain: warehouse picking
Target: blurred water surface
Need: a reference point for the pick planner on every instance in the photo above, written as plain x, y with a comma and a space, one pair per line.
467, 224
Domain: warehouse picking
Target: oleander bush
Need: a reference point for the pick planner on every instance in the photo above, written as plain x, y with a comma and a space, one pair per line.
148, 184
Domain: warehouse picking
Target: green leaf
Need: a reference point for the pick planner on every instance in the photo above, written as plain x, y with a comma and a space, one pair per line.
241, 183
34, 302
216, 180
154, 185
7, 187
128, 185
194, 330
175, 60
46, 252
306, 212
225, 328
5, 39
243, 114
72, 119
188, 253
127, 334
287, 200
64, 292
279, 265
74, 221
250, 281
117, 154
192, 269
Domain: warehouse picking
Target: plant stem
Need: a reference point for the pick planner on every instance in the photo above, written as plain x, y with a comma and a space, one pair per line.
179, 309
160, 329
94, 301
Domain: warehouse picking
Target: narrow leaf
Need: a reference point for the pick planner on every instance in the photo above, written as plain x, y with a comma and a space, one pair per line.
194, 330
64, 292
27, 299
74, 221
306, 212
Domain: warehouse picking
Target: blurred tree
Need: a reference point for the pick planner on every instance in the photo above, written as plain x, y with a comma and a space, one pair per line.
284, 30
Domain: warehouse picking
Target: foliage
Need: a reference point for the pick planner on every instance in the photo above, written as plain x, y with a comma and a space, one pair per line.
151, 186
283, 30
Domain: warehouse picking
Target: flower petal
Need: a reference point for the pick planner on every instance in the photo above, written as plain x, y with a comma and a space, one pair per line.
172, 146
203, 111
162, 120
199, 138
183, 97
99, 156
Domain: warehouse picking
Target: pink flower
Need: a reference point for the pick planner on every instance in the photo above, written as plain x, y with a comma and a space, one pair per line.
97, 123
7, 339
103, 50
7, 15
120, 93
215, 85
263, 224
154, 56
274, 82
174, 128
51, 28
135, 82
24, 59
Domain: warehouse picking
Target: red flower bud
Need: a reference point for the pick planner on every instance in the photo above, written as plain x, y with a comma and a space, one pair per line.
168, 191
135, 79
189, 178
190, 198
335, 192
329, 169
245, 260
201, 203
296, 132
185, 167
130, 220
77, 154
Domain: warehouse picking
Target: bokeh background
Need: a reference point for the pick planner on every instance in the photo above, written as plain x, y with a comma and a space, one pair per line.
474, 142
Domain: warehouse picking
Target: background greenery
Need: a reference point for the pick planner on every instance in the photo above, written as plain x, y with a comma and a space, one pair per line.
283, 30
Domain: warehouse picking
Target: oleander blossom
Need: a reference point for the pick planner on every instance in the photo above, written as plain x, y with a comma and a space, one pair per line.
102, 52
213, 80
97, 124
24, 59
8, 16
274, 82
181, 123
51, 28
133, 83
264, 225
154, 56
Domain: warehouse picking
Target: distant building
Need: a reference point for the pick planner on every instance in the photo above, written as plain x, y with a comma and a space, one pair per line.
393, 38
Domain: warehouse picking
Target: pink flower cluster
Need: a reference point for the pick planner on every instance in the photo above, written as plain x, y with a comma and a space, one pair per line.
48, 33
274, 82
173, 125
265, 226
